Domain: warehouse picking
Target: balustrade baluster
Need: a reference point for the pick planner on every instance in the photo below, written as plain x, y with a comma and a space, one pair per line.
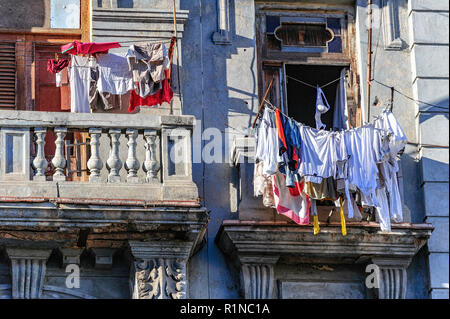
58, 161
114, 162
40, 163
151, 165
132, 163
95, 164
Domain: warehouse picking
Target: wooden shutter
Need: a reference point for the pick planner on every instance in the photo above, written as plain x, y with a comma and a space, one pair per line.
7, 74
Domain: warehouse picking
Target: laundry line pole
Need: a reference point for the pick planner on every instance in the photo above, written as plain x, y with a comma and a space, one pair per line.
178, 55
262, 103
369, 59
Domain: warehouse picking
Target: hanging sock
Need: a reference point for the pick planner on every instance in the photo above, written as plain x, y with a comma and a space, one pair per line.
316, 225
315, 216
321, 108
343, 226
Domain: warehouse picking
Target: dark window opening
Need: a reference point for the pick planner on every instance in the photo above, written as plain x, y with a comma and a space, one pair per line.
301, 99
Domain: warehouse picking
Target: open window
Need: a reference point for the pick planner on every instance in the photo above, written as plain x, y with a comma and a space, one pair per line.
313, 46
302, 48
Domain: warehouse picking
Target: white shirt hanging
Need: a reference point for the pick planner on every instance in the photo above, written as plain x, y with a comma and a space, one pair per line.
322, 107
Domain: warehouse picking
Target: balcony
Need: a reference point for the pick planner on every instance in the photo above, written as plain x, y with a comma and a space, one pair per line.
135, 199
269, 250
141, 158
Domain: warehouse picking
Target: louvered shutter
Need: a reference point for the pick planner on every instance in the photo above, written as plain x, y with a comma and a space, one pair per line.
7, 74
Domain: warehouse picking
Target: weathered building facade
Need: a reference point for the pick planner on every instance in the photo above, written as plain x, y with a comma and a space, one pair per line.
137, 224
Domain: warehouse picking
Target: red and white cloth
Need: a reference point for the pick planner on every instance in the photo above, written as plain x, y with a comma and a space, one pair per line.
291, 202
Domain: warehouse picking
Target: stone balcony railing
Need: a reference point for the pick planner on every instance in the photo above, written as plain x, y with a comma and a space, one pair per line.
137, 157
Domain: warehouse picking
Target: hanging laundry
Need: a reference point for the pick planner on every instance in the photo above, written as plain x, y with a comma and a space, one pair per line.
341, 214
106, 101
325, 190
389, 167
286, 151
76, 47
267, 143
350, 203
56, 66
317, 154
294, 206
114, 75
340, 114
80, 80
163, 95
364, 145
322, 107
341, 170
387, 121
148, 63
62, 78
314, 164
262, 185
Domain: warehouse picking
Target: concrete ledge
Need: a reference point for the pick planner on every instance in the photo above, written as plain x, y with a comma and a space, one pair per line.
89, 120
84, 191
363, 240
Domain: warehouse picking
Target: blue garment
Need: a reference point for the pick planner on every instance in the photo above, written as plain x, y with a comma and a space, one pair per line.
293, 141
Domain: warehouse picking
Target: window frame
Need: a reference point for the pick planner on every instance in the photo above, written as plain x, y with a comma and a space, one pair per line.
269, 60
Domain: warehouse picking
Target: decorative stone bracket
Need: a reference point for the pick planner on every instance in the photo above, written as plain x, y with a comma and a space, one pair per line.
28, 267
391, 277
257, 276
159, 269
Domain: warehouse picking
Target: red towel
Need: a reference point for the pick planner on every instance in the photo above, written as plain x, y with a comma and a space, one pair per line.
88, 47
163, 95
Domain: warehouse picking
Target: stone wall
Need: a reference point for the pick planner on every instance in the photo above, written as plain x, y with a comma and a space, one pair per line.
428, 36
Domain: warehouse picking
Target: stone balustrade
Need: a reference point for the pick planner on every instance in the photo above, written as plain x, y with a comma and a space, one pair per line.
128, 156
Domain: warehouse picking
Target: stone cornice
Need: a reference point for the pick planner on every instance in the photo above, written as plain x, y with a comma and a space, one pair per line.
240, 239
61, 225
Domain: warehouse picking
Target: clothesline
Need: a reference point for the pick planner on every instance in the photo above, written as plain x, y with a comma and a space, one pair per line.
313, 86
408, 97
299, 165
273, 108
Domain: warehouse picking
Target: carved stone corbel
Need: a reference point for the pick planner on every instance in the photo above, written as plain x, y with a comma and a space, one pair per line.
159, 269
159, 278
257, 276
392, 278
28, 267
